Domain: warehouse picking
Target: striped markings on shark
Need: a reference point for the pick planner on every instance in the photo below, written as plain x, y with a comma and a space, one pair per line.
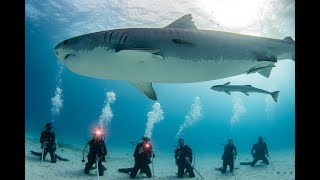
176, 53
245, 89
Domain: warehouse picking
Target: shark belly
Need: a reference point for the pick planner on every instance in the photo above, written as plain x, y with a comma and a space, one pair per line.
142, 66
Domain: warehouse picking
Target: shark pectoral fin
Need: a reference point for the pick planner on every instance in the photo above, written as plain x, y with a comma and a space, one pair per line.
182, 42
185, 22
152, 51
246, 93
146, 88
228, 92
148, 50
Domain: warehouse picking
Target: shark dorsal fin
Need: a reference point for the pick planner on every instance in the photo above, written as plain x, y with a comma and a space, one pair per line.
185, 22
289, 39
248, 85
226, 84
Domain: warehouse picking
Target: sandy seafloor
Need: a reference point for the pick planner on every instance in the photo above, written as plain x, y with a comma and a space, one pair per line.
282, 165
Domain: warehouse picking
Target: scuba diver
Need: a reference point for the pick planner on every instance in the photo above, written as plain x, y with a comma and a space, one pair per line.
183, 157
229, 156
259, 151
48, 144
97, 152
142, 155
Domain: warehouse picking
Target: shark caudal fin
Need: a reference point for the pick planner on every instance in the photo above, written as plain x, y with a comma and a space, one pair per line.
275, 95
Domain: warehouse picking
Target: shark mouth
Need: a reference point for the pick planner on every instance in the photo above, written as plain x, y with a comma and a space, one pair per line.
68, 55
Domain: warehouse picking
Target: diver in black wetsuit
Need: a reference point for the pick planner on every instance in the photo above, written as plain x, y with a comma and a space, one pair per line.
229, 156
183, 154
142, 155
97, 150
259, 151
47, 141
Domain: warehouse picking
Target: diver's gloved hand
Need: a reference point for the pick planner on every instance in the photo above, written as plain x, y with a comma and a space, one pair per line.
140, 150
100, 158
44, 144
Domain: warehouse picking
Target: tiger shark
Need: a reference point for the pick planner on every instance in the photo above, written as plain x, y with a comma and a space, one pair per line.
177, 53
245, 89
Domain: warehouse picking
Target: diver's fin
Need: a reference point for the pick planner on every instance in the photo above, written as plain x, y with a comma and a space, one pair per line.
228, 92
245, 163
125, 170
146, 88
61, 159
185, 22
36, 153
289, 39
275, 95
246, 93
182, 42
226, 84
264, 71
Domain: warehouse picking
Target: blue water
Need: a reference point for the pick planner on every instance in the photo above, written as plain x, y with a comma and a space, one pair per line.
83, 98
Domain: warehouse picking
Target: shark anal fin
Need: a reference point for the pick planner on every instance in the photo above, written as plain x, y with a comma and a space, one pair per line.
228, 92
182, 42
185, 22
146, 88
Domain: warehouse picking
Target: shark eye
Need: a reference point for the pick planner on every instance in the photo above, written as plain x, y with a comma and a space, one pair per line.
65, 42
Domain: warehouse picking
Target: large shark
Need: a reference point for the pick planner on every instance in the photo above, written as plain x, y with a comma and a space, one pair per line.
177, 53
245, 89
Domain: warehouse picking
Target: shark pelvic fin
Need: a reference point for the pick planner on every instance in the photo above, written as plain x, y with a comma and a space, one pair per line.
228, 92
185, 22
146, 88
264, 71
246, 93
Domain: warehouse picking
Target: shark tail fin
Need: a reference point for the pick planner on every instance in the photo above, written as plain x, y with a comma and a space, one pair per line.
275, 95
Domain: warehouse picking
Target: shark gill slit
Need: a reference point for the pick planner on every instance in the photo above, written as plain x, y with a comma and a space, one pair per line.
110, 36
120, 38
104, 38
124, 40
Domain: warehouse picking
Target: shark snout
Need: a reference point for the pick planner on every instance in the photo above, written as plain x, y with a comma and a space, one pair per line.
62, 52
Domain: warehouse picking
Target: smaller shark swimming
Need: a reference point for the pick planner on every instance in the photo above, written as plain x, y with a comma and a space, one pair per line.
245, 89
